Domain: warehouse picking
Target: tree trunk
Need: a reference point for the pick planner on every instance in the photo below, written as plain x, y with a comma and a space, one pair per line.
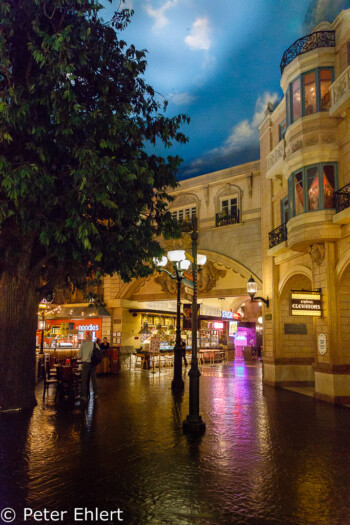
18, 322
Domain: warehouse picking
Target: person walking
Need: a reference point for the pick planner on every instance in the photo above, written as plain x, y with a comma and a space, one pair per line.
183, 352
88, 370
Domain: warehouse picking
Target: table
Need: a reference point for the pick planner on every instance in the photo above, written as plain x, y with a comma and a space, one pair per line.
213, 352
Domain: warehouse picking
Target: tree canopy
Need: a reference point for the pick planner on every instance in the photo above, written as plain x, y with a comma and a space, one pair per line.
78, 191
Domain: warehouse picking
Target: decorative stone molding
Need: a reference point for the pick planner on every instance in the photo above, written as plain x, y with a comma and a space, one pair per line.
298, 269
317, 252
227, 191
207, 279
275, 156
340, 92
185, 199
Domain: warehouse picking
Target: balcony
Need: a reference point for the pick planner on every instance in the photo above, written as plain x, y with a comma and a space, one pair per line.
188, 225
278, 241
342, 205
307, 43
274, 160
223, 219
278, 235
312, 227
340, 94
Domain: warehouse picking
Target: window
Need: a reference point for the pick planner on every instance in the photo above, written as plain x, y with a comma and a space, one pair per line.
185, 214
229, 207
285, 210
311, 188
229, 210
282, 129
309, 93
296, 99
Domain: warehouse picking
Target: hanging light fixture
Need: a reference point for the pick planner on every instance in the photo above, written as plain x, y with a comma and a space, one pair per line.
145, 330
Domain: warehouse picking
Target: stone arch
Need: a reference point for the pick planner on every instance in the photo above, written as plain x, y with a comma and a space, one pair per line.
342, 267
131, 288
343, 302
226, 191
298, 269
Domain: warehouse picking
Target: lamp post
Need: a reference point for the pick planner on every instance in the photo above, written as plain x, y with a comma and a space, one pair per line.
252, 288
42, 327
194, 422
180, 265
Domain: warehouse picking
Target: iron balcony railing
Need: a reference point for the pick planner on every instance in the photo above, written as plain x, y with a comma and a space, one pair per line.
307, 43
342, 198
188, 225
222, 219
278, 235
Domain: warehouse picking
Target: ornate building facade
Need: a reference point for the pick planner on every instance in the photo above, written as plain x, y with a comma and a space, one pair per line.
305, 169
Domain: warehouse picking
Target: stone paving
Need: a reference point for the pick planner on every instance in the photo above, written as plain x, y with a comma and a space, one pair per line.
267, 457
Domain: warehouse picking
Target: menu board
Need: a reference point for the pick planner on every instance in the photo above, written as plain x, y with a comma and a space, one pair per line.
155, 344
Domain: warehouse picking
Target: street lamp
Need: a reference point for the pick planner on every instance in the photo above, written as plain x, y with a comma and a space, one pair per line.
252, 288
42, 327
194, 423
180, 265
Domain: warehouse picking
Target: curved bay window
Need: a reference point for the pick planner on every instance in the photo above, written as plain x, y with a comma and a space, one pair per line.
312, 188
309, 93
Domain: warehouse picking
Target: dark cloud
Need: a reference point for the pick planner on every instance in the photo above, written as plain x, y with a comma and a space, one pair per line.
321, 10
210, 163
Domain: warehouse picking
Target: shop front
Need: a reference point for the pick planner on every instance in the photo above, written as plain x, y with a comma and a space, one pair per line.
67, 326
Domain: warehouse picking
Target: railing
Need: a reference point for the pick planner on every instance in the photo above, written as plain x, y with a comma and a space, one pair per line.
342, 198
278, 235
187, 225
222, 219
307, 43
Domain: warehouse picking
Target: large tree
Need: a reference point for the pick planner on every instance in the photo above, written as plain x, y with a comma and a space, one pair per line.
79, 194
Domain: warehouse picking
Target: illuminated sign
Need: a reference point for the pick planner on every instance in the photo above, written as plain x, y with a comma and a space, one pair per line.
218, 326
237, 316
306, 303
232, 329
88, 327
227, 315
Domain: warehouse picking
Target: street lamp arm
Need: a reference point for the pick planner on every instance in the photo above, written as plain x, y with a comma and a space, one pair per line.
266, 301
167, 272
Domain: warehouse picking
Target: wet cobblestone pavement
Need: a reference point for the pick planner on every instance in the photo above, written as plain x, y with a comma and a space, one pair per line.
268, 456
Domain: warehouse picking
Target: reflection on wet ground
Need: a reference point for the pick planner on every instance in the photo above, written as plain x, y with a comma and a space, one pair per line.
268, 456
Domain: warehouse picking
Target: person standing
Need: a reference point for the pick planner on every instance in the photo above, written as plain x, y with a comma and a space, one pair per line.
183, 352
85, 353
105, 347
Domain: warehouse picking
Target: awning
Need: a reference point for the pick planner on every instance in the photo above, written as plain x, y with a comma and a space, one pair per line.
77, 312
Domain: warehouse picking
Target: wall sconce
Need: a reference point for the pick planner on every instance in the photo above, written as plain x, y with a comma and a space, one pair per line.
252, 288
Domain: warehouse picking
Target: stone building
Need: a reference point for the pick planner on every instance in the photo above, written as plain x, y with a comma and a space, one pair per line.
227, 206
305, 170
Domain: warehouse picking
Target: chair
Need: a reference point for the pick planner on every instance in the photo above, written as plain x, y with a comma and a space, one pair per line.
47, 381
141, 358
65, 380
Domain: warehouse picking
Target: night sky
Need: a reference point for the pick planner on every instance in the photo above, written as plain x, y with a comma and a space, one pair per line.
218, 62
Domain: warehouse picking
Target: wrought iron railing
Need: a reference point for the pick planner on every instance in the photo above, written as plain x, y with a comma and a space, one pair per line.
307, 43
222, 219
342, 198
278, 235
187, 225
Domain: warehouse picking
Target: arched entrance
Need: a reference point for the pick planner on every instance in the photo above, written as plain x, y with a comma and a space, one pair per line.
296, 349
221, 287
